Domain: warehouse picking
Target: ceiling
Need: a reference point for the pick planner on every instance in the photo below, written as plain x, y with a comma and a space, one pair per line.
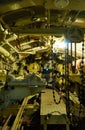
19, 14
26, 25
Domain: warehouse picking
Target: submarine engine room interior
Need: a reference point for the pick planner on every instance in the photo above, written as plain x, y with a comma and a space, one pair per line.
42, 64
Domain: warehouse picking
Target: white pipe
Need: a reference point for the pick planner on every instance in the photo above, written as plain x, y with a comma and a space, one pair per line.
12, 37
27, 43
1, 28
6, 54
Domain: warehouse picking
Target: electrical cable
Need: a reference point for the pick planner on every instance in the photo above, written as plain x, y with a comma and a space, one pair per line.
56, 102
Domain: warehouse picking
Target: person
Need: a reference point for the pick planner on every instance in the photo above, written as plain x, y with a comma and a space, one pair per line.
52, 83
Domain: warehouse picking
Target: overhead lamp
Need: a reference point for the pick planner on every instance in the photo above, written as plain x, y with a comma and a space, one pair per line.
61, 3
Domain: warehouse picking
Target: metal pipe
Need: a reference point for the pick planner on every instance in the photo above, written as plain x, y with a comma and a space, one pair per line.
6, 127
11, 46
75, 56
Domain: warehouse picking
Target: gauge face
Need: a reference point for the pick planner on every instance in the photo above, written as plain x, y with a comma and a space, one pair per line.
34, 67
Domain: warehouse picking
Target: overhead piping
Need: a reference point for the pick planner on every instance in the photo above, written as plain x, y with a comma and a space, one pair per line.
72, 19
6, 54
3, 50
11, 46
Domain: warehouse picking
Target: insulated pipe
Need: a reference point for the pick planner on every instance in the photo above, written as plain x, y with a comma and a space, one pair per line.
12, 37
2, 33
2, 50
6, 54
11, 46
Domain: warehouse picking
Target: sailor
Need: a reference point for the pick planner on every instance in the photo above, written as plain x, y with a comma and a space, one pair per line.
52, 82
